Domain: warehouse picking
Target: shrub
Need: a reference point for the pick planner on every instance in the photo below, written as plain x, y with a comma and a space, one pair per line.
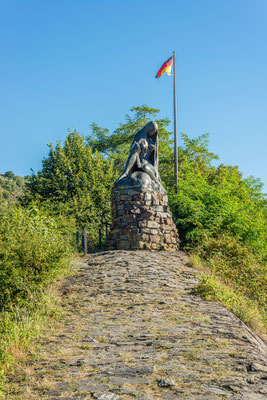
210, 288
32, 251
237, 266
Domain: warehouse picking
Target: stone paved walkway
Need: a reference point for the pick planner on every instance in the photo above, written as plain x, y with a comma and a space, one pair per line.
133, 329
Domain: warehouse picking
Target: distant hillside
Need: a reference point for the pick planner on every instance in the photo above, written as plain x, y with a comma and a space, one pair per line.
11, 188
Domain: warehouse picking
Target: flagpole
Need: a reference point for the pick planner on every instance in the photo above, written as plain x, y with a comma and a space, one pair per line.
175, 127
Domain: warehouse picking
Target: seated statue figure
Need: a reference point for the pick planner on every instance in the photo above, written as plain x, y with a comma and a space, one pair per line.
142, 162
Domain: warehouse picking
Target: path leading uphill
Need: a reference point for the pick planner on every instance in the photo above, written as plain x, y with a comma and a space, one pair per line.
133, 329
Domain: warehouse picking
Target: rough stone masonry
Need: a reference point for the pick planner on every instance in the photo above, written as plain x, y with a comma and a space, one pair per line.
141, 217
142, 220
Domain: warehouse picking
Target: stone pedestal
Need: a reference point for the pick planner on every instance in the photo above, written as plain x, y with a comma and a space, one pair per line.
141, 220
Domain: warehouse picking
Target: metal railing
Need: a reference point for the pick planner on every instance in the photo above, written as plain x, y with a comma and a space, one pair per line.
98, 243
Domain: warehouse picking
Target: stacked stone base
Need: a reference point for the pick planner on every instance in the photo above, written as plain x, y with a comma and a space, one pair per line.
142, 220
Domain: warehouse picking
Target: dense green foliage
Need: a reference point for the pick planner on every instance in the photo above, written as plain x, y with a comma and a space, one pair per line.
217, 200
115, 146
211, 200
221, 218
11, 188
211, 288
32, 250
220, 215
74, 182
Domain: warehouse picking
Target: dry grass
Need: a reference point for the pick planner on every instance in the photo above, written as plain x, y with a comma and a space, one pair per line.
19, 339
212, 287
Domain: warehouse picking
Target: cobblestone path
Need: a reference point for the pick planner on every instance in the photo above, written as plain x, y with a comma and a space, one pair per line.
133, 329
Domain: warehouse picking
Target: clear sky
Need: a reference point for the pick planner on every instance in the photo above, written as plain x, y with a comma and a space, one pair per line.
67, 63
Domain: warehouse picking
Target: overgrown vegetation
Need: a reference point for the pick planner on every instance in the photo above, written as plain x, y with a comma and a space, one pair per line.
37, 236
33, 252
221, 219
74, 183
11, 188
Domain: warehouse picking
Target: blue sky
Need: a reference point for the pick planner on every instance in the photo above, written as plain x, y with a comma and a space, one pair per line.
66, 63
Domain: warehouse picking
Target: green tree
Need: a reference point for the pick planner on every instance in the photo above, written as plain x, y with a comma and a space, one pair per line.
32, 251
213, 200
74, 180
79, 175
115, 146
220, 216
10, 175
11, 188
210, 200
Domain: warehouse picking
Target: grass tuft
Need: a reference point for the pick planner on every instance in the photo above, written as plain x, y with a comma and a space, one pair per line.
211, 288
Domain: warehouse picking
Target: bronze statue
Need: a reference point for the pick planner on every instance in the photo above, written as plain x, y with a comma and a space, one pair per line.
143, 160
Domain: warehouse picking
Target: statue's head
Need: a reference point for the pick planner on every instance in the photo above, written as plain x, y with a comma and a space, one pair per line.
151, 128
143, 144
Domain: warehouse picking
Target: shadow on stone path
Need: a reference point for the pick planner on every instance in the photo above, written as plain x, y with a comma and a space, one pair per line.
133, 329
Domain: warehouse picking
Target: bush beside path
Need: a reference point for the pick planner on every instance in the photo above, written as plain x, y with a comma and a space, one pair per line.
133, 328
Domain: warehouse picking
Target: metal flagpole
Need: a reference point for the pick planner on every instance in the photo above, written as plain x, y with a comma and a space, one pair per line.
175, 127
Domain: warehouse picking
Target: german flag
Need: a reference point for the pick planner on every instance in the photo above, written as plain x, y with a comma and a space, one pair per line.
166, 67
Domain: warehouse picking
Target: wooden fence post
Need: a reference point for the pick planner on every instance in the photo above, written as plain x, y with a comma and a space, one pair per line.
106, 230
77, 239
100, 238
84, 241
